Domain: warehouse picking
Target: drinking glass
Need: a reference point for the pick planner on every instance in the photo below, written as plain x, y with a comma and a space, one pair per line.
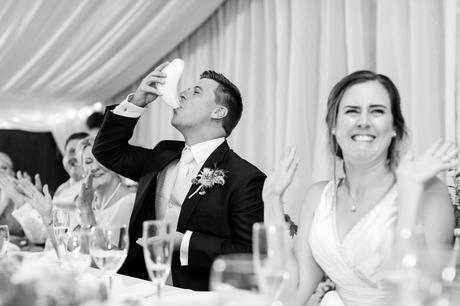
77, 255
157, 239
4, 239
109, 248
61, 226
425, 279
271, 254
235, 281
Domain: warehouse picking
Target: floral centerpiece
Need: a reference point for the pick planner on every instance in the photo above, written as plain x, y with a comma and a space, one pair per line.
33, 281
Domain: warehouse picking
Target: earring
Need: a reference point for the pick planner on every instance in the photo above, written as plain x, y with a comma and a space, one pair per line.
333, 131
394, 134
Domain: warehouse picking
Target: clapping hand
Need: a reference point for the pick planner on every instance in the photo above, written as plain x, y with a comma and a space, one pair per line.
439, 157
8, 186
147, 91
86, 196
40, 201
279, 180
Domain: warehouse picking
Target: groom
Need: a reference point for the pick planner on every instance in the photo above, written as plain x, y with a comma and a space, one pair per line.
209, 218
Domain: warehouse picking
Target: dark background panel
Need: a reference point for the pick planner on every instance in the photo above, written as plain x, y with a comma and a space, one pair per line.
35, 153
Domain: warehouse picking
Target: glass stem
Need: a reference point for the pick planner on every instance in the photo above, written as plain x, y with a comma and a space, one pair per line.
159, 290
110, 283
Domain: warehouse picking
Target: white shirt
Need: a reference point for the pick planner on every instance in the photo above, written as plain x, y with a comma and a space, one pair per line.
166, 177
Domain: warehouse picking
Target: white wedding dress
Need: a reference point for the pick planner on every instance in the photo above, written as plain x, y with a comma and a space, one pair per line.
354, 264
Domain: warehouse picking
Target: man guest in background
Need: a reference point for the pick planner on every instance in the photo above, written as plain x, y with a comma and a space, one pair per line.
208, 221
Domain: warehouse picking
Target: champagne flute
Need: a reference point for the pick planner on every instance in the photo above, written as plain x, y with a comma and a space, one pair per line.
271, 254
4, 239
78, 257
234, 279
158, 247
61, 226
109, 248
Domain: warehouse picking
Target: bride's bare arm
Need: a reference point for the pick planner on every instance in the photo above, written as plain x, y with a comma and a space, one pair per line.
423, 198
304, 273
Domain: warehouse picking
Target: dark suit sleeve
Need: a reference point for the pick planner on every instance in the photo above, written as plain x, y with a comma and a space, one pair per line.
246, 209
111, 146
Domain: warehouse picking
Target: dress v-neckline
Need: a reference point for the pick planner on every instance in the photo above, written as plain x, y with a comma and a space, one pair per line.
341, 240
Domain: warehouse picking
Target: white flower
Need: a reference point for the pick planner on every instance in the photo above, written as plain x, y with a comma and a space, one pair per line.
208, 178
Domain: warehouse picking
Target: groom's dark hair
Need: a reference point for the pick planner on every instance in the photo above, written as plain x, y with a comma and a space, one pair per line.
228, 95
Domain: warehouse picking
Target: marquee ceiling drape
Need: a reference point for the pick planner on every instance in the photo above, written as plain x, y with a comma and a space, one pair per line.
61, 54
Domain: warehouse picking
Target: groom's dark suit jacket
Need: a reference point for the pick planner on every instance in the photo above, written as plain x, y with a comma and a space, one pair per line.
221, 220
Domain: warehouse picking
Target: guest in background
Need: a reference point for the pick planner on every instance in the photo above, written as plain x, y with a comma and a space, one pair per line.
94, 122
66, 193
104, 198
9, 199
345, 224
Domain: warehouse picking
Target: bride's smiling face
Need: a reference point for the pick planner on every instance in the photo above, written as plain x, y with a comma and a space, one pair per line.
364, 127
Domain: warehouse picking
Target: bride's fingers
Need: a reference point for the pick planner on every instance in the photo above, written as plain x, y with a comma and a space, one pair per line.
442, 150
293, 169
434, 147
291, 157
452, 164
452, 153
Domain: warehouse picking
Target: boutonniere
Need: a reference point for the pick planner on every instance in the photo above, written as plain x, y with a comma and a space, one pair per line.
207, 178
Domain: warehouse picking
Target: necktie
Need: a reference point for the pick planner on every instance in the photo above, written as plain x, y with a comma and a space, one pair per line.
183, 180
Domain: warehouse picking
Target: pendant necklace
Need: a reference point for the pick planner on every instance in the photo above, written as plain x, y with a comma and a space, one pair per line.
106, 203
354, 204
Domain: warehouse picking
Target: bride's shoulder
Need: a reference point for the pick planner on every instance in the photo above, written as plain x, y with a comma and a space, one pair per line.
316, 189
313, 196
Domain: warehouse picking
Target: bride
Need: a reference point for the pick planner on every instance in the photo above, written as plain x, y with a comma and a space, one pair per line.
344, 223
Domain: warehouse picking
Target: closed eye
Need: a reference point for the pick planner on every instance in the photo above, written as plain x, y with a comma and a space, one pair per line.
197, 90
351, 111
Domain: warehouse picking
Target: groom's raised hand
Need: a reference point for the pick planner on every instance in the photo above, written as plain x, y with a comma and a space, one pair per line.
147, 90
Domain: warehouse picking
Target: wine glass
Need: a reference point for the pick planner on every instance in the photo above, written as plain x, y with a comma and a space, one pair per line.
109, 248
271, 254
157, 240
234, 279
77, 255
61, 226
4, 239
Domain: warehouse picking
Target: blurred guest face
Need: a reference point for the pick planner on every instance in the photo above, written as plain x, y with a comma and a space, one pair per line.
6, 164
101, 175
196, 105
70, 160
364, 128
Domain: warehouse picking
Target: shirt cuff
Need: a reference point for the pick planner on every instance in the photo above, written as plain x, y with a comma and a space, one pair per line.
22, 212
184, 248
31, 223
127, 109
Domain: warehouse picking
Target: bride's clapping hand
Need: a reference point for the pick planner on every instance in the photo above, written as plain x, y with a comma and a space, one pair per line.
279, 180
439, 157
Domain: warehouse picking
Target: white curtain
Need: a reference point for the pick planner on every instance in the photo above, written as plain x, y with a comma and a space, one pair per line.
58, 57
286, 55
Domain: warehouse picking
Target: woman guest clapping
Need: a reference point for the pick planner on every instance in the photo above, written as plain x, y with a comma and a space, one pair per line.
345, 223
104, 198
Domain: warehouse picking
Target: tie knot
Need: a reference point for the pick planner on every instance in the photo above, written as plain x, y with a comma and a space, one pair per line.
187, 156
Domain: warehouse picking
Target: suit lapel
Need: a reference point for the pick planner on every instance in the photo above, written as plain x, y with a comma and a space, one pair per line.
189, 205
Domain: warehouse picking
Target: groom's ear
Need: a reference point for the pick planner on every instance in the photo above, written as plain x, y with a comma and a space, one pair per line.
219, 112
